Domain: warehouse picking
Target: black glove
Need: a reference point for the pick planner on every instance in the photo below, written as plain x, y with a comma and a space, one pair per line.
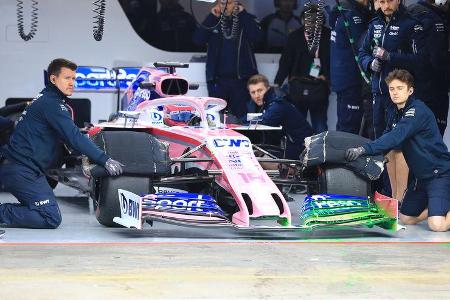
353, 153
381, 53
113, 167
375, 65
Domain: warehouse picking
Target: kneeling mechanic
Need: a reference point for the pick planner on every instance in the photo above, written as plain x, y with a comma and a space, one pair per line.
33, 147
412, 127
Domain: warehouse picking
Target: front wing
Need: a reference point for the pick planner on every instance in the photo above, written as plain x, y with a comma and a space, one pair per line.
317, 211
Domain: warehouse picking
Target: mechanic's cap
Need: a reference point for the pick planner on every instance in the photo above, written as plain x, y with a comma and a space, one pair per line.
177, 115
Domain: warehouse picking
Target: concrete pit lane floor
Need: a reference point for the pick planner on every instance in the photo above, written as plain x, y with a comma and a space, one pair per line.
84, 260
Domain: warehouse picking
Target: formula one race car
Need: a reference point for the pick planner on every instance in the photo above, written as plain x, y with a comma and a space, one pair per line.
191, 169
184, 165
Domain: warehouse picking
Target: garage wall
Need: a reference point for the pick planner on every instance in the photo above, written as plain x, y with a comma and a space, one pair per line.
65, 30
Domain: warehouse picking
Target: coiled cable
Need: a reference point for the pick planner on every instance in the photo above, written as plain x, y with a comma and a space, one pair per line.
200, 24
314, 15
222, 22
34, 20
99, 18
232, 33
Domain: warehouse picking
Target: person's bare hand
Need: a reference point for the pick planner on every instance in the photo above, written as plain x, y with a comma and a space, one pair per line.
216, 10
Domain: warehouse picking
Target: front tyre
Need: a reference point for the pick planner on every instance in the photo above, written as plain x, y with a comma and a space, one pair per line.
339, 180
107, 204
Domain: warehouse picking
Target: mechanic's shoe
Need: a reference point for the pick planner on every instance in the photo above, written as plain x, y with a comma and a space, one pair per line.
2, 233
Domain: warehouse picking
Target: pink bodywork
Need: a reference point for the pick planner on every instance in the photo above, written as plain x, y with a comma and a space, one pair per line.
231, 152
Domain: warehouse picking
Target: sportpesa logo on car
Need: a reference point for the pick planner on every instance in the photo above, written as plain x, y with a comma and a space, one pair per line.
334, 202
189, 205
188, 202
103, 79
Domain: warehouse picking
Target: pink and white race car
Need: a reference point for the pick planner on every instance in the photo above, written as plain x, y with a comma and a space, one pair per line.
196, 140
183, 165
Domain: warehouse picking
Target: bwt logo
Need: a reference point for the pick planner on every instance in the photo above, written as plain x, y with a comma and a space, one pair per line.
43, 202
129, 207
231, 143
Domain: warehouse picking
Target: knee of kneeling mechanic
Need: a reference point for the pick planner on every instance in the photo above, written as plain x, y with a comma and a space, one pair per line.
53, 218
437, 224
408, 220
55, 221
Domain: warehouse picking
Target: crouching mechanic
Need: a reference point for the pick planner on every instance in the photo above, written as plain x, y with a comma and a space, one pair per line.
34, 145
412, 126
277, 111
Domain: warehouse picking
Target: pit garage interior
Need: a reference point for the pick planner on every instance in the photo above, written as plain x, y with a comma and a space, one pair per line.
83, 259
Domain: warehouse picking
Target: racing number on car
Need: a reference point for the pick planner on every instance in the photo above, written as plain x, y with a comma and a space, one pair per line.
252, 177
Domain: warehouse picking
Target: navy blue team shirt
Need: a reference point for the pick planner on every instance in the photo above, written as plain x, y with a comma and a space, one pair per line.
414, 129
344, 70
402, 37
44, 124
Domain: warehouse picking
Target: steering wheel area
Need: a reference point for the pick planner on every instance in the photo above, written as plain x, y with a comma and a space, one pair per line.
194, 121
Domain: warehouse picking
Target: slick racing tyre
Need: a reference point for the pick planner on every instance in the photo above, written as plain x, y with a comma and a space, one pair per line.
107, 205
144, 158
338, 180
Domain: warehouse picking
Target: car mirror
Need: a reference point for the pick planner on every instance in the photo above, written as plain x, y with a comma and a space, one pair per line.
194, 86
147, 85
254, 117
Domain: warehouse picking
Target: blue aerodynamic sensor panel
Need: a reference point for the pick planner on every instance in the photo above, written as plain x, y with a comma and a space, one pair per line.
182, 202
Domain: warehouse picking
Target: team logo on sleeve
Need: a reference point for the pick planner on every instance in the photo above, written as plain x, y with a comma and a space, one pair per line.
357, 20
410, 112
439, 27
63, 107
37, 97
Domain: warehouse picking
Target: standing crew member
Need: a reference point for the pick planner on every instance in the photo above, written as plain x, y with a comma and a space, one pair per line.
394, 40
174, 28
33, 147
305, 61
230, 62
349, 20
279, 25
435, 71
413, 128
